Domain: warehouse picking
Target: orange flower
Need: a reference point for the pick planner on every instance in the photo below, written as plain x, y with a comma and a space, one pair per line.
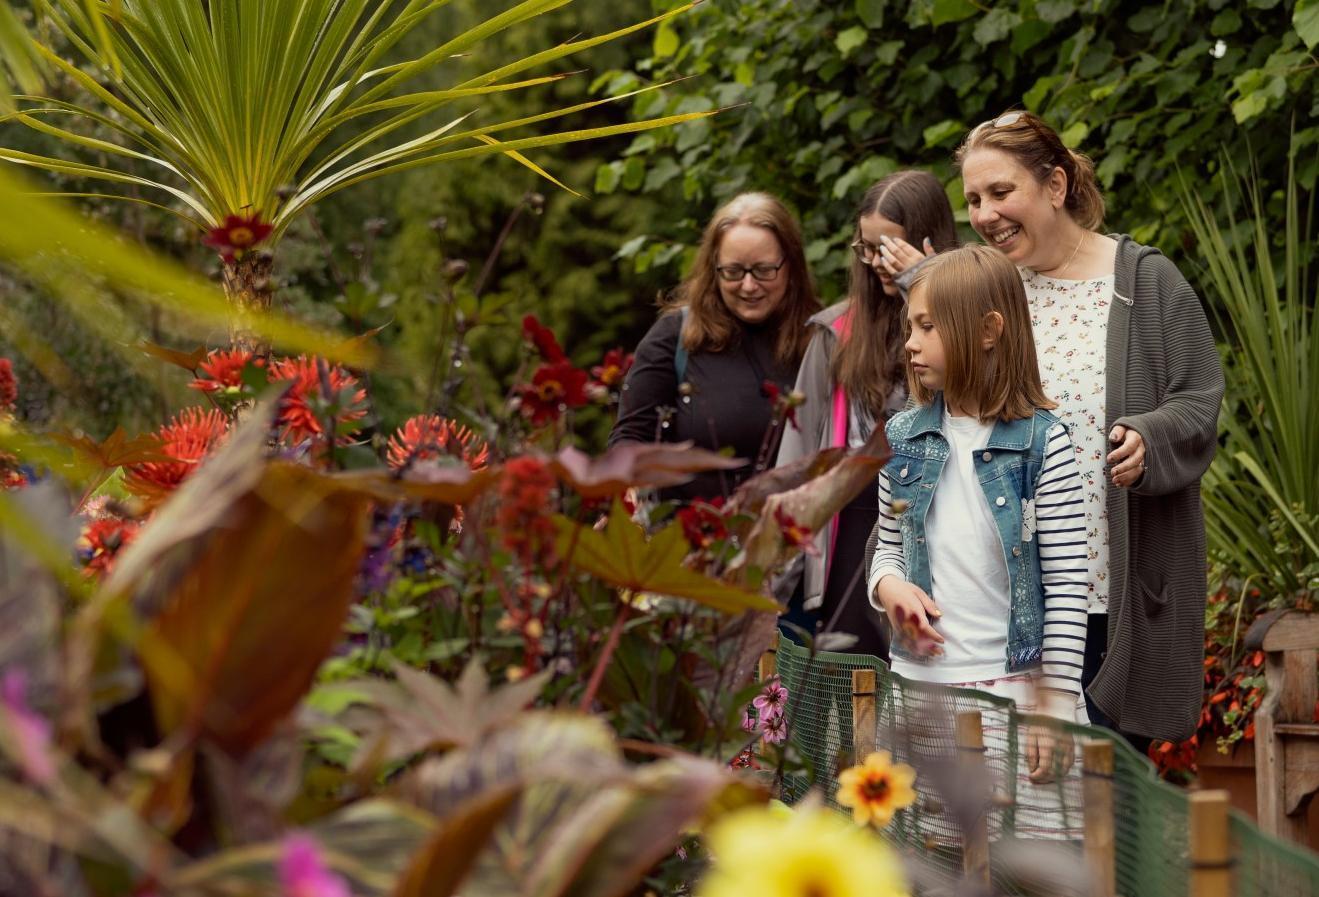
431, 436
297, 415
223, 369
876, 789
187, 439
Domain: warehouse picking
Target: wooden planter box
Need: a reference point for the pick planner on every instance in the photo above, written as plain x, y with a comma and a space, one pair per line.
1234, 772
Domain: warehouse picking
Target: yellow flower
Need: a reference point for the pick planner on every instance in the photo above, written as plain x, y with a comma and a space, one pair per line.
809, 853
876, 788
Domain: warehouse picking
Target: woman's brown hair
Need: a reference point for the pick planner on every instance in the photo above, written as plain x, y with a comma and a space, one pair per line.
963, 289
869, 360
710, 326
1037, 147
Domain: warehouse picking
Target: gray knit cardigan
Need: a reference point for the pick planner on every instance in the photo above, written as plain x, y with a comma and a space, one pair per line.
1165, 381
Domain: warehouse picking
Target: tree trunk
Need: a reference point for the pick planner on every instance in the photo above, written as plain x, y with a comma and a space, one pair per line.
247, 284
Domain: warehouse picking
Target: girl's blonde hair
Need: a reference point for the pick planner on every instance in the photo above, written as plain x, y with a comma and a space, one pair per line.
963, 288
868, 363
710, 326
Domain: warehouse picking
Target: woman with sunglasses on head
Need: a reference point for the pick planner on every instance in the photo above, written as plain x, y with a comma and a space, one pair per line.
736, 324
854, 379
1125, 349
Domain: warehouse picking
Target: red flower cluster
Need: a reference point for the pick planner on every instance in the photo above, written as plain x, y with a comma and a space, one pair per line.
223, 369
427, 436
8, 385
102, 540
556, 385
237, 235
703, 523
794, 533
523, 518
186, 439
784, 403
297, 414
613, 369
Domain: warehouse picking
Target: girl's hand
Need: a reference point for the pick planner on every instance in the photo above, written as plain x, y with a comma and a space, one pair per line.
909, 611
1047, 743
897, 255
1127, 461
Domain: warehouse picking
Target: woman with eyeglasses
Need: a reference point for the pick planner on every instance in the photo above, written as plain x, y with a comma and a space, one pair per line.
853, 378
734, 326
1126, 351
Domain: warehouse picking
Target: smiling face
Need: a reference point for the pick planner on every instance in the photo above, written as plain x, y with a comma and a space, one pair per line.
1012, 210
749, 300
924, 346
873, 227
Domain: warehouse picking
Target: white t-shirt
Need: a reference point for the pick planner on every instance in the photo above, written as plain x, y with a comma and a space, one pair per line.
970, 582
1070, 321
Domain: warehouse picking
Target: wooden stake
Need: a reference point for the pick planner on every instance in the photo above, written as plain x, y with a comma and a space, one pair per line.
863, 714
1210, 845
769, 665
975, 840
1100, 844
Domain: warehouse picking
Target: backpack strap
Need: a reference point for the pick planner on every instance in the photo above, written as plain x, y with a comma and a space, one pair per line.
680, 353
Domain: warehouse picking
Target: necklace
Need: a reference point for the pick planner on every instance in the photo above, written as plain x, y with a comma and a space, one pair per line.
1070, 258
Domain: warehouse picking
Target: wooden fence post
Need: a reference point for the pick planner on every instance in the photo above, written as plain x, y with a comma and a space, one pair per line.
769, 665
863, 714
975, 840
1100, 844
1210, 845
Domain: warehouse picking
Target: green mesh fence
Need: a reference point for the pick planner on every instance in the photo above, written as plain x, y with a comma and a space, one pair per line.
915, 722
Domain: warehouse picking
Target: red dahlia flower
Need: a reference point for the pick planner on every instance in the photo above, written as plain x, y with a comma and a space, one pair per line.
611, 371
187, 439
794, 533
223, 369
297, 414
237, 235
523, 517
431, 436
102, 540
8, 385
553, 388
542, 338
703, 522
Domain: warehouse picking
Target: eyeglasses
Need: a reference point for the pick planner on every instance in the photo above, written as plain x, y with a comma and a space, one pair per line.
762, 272
1007, 119
866, 252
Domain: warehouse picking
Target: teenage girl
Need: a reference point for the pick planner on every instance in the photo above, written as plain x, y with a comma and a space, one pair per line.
981, 539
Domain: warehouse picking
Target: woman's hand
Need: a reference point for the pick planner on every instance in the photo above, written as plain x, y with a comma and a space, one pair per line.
1126, 463
897, 255
909, 611
1047, 745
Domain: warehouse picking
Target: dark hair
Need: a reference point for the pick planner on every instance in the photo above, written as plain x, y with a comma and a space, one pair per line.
1039, 149
710, 326
869, 360
962, 288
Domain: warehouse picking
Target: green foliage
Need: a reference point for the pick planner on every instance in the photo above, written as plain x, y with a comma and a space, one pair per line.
841, 93
1261, 493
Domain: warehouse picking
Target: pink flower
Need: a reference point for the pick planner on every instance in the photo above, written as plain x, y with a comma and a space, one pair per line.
30, 731
775, 729
303, 873
772, 701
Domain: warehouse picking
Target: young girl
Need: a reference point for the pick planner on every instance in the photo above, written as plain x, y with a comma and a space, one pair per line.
981, 539
852, 377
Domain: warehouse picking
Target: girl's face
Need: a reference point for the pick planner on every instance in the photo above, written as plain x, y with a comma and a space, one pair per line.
874, 226
746, 247
924, 346
1012, 210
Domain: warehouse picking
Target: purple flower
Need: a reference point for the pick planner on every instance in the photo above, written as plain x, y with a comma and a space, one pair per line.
775, 729
772, 701
30, 731
302, 872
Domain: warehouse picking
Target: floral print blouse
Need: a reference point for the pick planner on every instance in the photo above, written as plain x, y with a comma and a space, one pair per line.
1070, 320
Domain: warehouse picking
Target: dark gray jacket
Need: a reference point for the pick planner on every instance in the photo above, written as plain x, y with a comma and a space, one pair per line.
1164, 380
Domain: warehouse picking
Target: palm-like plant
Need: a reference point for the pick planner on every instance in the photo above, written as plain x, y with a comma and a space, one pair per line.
254, 110
1262, 492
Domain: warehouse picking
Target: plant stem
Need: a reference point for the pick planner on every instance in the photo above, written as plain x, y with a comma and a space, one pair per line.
611, 643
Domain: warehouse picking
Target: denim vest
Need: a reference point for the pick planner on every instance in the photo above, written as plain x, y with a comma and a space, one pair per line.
1007, 467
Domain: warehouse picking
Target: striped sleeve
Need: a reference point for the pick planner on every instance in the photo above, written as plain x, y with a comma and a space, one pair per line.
1063, 550
888, 543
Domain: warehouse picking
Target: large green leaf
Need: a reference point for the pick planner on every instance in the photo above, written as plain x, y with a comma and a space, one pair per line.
622, 556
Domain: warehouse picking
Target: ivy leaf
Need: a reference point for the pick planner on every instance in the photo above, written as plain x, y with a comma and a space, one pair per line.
995, 26
870, 12
946, 11
1054, 11
849, 40
944, 130
1305, 18
607, 177
666, 41
623, 557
